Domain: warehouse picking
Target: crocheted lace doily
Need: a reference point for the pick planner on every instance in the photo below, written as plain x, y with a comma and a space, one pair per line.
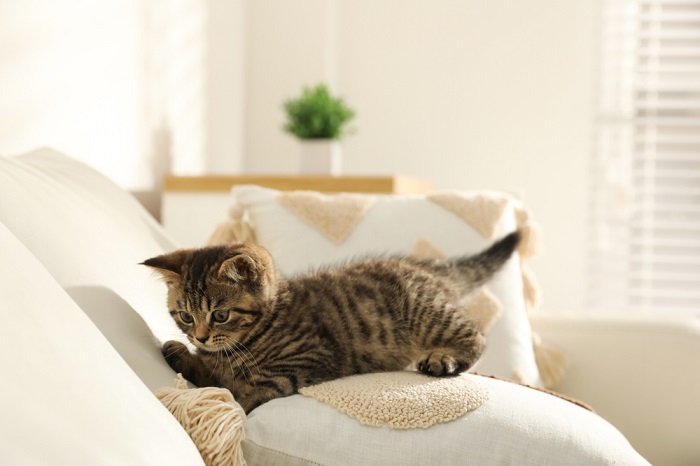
401, 400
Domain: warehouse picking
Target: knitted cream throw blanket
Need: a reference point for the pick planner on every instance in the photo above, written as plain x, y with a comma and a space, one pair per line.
401, 400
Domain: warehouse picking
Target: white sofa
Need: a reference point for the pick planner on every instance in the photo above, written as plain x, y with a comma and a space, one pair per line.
639, 372
80, 360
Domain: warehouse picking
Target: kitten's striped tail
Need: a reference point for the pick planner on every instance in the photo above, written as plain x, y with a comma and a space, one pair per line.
470, 272
476, 270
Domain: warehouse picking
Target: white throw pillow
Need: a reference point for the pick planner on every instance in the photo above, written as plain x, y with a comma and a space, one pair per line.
517, 425
67, 396
91, 236
304, 231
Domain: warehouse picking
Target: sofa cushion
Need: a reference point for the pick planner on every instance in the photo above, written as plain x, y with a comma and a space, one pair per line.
67, 396
91, 235
516, 425
306, 230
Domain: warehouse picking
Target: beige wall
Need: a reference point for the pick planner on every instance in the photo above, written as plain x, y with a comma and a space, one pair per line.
481, 94
290, 44
69, 78
467, 94
131, 87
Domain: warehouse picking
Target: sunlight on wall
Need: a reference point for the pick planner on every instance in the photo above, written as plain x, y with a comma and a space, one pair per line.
117, 84
173, 86
69, 81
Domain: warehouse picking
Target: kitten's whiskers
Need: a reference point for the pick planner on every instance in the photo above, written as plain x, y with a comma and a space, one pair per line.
250, 358
242, 363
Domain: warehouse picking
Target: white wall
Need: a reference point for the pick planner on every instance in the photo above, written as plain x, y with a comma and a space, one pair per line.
69, 78
466, 94
132, 87
225, 86
289, 44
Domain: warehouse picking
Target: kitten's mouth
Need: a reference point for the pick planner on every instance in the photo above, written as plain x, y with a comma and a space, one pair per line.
200, 345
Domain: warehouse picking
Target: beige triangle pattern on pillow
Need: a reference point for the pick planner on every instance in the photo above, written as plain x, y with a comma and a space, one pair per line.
482, 211
335, 216
483, 308
424, 249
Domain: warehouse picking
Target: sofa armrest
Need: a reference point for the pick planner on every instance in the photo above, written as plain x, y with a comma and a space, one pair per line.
640, 372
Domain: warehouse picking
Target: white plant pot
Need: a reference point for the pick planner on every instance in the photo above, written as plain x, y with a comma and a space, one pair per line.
321, 157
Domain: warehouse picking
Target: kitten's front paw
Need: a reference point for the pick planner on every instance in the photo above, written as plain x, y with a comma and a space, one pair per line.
173, 351
438, 364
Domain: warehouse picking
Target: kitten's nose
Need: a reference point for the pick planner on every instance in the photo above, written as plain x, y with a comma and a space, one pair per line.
202, 339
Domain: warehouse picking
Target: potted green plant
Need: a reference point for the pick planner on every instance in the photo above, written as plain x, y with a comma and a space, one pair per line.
318, 120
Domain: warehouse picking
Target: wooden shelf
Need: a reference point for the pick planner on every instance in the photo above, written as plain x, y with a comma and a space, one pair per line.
395, 184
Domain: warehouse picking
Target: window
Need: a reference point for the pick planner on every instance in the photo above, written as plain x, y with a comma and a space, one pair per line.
646, 207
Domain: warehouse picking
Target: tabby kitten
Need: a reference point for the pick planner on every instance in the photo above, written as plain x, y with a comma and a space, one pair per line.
263, 336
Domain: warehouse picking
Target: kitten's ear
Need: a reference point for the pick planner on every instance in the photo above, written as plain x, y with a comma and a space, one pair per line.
252, 264
240, 266
168, 265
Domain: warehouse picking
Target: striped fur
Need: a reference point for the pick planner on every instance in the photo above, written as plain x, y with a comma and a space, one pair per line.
263, 336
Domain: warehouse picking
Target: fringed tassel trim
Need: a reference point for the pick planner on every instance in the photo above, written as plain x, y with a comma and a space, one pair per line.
551, 363
237, 228
211, 417
530, 232
531, 289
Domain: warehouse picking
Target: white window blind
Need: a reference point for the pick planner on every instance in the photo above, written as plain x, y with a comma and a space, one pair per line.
646, 207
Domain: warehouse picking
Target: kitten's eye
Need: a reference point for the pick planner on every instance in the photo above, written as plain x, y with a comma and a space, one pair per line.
221, 316
186, 317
